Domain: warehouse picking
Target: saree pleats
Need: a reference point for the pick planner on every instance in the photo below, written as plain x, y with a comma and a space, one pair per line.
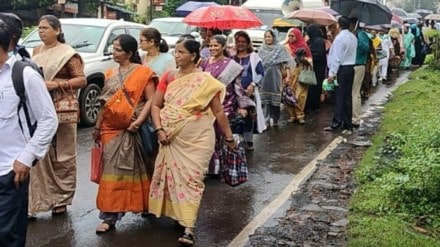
125, 182
58, 167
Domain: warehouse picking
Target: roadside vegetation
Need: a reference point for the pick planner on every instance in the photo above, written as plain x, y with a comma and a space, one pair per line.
397, 202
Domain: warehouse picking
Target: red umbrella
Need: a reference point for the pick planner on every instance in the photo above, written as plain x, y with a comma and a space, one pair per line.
223, 17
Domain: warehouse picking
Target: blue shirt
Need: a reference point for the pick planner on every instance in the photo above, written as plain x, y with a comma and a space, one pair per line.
246, 75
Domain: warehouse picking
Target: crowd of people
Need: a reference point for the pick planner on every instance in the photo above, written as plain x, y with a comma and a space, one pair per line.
198, 99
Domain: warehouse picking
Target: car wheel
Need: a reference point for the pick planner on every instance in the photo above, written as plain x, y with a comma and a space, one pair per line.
89, 104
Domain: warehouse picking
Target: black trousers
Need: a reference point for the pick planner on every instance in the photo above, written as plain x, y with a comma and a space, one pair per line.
342, 112
13, 211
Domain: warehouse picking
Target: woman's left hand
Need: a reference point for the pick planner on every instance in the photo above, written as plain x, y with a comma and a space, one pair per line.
231, 143
250, 90
134, 127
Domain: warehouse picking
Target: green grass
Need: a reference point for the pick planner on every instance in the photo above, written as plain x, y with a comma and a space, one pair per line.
398, 178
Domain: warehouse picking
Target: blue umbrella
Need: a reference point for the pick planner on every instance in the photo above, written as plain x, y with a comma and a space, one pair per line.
189, 6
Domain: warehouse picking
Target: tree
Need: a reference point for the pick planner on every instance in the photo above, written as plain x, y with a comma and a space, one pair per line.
23, 4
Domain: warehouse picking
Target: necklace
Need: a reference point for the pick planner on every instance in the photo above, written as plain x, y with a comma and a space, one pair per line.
179, 74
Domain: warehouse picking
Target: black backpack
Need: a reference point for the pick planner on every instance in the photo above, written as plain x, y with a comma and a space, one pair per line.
18, 82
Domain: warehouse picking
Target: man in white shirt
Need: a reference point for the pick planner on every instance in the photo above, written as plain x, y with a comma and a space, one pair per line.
341, 61
18, 149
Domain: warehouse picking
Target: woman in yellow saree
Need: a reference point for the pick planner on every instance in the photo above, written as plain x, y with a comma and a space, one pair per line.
186, 104
126, 100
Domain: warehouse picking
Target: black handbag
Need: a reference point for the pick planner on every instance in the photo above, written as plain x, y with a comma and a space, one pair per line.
148, 136
146, 131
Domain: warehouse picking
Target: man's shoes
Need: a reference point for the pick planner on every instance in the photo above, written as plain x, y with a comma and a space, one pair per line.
331, 129
291, 120
355, 126
301, 121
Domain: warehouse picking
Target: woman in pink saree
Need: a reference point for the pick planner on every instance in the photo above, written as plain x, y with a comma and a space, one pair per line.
186, 103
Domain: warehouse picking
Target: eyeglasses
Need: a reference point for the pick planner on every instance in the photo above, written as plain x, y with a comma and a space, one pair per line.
179, 52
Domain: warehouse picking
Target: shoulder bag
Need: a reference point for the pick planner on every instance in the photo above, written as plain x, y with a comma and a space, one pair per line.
150, 142
66, 105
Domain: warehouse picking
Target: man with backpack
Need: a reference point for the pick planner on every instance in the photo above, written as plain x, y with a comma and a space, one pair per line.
27, 124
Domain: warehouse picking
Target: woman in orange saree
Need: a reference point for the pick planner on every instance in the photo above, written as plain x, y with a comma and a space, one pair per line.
126, 100
186, 104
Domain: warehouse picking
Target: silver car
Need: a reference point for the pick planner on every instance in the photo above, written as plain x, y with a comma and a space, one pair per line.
92, 39
172, 27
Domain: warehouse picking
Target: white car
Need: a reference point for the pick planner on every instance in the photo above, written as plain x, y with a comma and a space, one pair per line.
92, 39
172, 27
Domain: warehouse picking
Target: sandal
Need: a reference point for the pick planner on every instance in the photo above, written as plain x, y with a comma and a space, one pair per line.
59, 210
32, 217
105, 227
187, 239
249, 146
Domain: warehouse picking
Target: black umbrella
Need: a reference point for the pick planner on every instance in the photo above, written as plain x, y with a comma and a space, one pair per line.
423, 12
370, 12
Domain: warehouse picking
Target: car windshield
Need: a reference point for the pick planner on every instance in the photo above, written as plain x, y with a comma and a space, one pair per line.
81, 37
168, 28
266, 16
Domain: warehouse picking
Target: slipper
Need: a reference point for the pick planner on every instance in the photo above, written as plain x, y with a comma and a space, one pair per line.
105, 227
32, 217
59, 210
187, 239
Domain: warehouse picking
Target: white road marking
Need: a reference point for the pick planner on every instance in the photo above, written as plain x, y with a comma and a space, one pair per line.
242, 238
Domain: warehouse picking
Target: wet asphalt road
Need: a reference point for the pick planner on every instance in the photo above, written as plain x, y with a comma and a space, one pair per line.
280, 153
